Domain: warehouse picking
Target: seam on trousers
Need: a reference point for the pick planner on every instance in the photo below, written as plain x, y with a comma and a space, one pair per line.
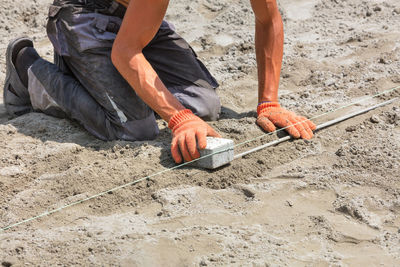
121, 114
40, 99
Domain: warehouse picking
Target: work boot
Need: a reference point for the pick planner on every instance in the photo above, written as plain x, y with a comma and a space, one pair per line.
19, 57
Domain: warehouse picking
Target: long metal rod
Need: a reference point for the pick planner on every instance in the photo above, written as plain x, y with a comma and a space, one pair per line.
319, 127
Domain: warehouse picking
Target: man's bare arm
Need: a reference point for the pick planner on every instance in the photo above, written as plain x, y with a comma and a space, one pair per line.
269, 52
269, 48
141, 22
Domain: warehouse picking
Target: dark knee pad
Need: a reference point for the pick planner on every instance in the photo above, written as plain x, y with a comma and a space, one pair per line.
138, 130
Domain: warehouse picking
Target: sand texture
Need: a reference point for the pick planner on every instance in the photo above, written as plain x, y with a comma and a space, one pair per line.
330, 201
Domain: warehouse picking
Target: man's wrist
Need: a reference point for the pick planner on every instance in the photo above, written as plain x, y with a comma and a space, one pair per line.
262, 102
181, 116
263, 106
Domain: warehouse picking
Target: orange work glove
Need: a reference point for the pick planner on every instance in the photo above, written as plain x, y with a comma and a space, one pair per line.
271, 114
186, 128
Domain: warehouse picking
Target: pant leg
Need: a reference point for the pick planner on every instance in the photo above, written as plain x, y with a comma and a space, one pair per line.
95, 94
183, 73
52, 90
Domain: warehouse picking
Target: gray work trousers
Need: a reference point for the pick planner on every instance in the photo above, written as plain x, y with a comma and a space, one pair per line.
84, 85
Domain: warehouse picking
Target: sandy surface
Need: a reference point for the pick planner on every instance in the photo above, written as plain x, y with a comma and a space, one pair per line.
331, 201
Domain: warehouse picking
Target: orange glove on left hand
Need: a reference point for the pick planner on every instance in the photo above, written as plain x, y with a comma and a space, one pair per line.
271, 114
186, 128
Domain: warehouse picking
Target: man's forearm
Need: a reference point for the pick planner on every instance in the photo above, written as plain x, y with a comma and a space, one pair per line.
269, 52
138, 72
140, 24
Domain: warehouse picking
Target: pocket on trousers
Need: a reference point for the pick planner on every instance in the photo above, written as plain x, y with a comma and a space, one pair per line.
101, 30
94, 30
54, 31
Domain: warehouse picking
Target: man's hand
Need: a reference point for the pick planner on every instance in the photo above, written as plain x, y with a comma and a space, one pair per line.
186, 129
271, 114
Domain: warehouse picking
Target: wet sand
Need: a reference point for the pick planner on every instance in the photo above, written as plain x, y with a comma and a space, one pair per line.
330, 201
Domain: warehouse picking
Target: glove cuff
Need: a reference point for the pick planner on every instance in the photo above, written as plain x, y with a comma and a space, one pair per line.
263, 106
181, 116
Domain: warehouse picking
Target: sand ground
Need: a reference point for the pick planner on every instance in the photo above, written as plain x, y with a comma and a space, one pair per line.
330, 201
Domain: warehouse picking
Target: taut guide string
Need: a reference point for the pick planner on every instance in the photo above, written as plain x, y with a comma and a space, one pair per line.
181, 165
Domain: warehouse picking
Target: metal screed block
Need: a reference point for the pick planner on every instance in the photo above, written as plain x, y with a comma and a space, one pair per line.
221, 150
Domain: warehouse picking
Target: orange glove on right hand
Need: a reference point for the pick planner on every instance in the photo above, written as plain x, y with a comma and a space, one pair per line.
186, 128
271, 114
